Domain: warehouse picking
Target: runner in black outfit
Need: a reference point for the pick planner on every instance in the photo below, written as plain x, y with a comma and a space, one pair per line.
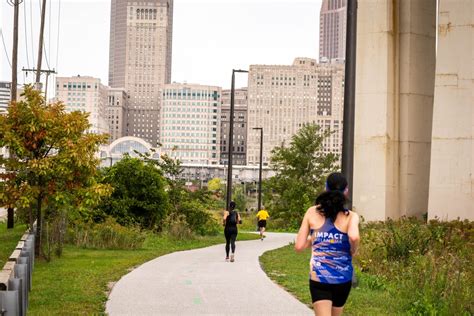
230, 221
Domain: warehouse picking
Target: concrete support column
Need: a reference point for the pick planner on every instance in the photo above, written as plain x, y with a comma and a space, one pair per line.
417, 76
451, 192
394, 93
375, 194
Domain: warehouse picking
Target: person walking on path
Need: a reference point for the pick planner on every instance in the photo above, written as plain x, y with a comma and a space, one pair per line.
262, 217
332, 232
230, 221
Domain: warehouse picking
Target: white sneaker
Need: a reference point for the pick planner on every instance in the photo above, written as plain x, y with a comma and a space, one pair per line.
232, 258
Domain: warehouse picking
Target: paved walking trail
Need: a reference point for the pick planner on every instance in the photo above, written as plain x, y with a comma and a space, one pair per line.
200, 282
3, 214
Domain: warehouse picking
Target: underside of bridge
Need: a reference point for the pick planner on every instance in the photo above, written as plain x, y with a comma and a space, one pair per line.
414, 121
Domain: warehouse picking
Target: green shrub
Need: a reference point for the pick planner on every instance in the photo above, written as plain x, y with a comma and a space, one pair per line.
429, 266
198, 219
176, 226
438, 283
405, 238
139, 194
106, 235
373, 282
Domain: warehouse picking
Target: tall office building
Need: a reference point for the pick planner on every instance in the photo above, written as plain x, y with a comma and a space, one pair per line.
281, 99
239, 156
85, 94
190, 128
5, 95
332, 30
117, 107
140, 60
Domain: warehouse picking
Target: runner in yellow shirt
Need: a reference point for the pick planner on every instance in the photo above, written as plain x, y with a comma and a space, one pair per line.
262, 217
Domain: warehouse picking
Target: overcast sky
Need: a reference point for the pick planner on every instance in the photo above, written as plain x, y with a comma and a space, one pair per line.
210, 37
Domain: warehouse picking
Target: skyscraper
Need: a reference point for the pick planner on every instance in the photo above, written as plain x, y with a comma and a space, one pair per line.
86, 94
282, 98
5, 95
140, 60
332, 29
117, 112
239, 156
190, 122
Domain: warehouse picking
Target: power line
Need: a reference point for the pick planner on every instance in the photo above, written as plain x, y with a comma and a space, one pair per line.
49, 30
46, 56
26, 40
57, 39
46, 52
57, 46
5, 47
31, 32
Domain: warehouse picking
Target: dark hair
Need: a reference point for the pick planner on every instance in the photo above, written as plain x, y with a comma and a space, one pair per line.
336, 182
232, 205
330, 203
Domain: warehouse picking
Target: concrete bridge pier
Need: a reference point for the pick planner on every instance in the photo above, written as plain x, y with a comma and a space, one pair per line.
451, 185
414, 130
396, 47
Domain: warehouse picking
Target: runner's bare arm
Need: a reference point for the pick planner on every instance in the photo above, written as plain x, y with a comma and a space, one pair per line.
353, 232
302, 241
224, 217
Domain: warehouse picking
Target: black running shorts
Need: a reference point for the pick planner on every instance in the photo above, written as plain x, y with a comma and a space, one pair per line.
262, 223
337, 293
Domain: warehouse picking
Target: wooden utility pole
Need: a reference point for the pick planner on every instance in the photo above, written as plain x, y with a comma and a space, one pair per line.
16, 10
40, 45
39, 217
47, 72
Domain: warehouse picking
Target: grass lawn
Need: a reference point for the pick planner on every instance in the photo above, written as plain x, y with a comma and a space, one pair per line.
77, 282
291, 270
9, 238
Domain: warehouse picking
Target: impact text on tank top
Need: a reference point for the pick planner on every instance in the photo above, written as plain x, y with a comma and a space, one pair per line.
331, 260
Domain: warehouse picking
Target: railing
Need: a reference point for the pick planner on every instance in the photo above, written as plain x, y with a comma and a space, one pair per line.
16, 277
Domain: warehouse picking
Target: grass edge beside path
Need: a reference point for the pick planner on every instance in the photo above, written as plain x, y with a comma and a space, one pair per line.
291, 271
77, 283
9, 238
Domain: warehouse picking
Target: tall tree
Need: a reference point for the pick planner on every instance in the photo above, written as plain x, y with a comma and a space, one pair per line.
53, 159
300, 169
215, 186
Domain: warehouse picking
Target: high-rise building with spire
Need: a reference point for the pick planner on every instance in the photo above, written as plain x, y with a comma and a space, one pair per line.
140, 60
332, 30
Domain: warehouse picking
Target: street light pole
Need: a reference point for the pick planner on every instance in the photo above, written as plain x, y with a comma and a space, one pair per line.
260, 169
231, 140
349, 97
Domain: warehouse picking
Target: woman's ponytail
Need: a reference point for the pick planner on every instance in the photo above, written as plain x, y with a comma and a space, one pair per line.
330, 203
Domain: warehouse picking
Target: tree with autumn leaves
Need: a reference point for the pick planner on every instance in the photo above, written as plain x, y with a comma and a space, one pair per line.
52, 164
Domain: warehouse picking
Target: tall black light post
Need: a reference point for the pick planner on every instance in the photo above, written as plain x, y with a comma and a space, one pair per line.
260, 169
231, 140
349, 97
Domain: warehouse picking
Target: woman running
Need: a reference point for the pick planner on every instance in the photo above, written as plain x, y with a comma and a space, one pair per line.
230, 221
333, 234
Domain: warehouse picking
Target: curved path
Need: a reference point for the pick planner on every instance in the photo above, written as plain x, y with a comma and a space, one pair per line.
200, 282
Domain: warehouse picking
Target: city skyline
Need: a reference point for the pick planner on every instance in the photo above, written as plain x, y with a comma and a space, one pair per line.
243, 34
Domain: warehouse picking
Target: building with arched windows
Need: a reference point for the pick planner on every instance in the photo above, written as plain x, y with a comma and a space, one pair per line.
126, 145
191, 171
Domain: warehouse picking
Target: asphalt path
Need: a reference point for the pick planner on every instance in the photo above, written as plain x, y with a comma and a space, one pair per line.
200, 282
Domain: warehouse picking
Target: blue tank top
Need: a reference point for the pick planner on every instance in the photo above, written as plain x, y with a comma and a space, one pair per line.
331, 259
